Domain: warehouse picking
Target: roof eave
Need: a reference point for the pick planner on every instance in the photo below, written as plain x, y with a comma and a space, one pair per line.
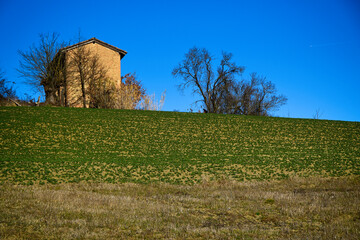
95, 40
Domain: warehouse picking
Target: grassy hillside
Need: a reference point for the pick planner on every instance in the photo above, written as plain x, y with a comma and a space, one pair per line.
95, 148
39, 145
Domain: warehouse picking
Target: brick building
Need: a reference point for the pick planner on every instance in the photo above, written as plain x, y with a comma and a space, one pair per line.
109, 57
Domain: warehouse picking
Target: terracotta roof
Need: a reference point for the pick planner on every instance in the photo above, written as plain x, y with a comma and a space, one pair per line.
95, 40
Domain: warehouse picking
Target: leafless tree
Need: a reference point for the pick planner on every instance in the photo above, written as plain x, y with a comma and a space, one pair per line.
100, 87
97, 90
85, 70
257, 97
197, 72
220, 91
317, 114
6, 92
131, 92
150, 103
40, 67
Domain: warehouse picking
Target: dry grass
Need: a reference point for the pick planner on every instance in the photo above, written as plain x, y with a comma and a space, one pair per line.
299, 208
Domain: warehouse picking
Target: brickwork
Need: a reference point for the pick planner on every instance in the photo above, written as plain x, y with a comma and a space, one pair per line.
109, 58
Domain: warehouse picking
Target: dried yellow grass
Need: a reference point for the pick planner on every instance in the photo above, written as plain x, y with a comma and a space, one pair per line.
297, 208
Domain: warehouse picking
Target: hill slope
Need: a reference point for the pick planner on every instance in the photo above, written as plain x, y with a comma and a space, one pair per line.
66, 144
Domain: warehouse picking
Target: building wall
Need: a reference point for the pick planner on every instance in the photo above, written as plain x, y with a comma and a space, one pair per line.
109, 59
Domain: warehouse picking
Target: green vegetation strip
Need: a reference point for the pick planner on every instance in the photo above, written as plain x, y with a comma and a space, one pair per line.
57, 145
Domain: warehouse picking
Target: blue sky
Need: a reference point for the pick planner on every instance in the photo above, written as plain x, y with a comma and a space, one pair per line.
309, 49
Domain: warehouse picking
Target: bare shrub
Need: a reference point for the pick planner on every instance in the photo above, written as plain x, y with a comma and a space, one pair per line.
149, 102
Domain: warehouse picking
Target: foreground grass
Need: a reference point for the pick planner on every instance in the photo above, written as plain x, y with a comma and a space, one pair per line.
297, 208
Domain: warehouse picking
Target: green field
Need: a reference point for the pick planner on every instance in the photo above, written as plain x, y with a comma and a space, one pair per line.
57, 145
69, 173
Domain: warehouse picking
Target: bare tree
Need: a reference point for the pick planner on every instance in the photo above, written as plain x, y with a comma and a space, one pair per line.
257, 97
40, 67
150, 103
317, 114
100, 87
197, 72
87, 74
97, 90
221, 92
131, 92
78, 68
6, 92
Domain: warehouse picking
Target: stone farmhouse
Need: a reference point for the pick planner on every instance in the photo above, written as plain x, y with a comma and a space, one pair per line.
109, 56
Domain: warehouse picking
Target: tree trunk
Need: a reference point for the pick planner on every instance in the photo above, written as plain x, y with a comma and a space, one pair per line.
65, 88
16, 103
50, 96
83, 88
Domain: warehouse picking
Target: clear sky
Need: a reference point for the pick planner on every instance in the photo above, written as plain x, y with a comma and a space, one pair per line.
310, 49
